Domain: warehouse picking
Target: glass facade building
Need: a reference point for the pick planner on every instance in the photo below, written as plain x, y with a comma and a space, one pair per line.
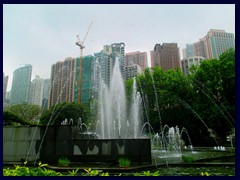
21, 85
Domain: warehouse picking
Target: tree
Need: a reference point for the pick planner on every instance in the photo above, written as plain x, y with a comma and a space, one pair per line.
27, 112
202, 102
164, 92
11, 119
58, 113
214, 84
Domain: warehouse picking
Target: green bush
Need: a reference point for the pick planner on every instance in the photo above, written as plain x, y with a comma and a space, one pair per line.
124, 162
63, 161
187, 159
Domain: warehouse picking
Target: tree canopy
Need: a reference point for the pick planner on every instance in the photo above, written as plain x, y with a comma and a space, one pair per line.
11, 119
203, 102
58, 113
27, 112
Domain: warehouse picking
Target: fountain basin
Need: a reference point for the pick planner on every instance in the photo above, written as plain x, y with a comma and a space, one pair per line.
63, 141
48, 144
96, 150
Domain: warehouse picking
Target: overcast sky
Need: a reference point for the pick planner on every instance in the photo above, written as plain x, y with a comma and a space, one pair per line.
41, 35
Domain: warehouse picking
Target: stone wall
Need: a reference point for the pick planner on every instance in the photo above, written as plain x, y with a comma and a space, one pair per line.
48, 144
19, 143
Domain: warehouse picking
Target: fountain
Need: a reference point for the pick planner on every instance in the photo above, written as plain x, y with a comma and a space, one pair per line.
114, 123
117, 133
119, 130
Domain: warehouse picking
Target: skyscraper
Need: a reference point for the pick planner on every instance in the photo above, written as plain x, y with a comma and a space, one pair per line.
211, 46
106, 60
136, 57
21, 85
62, 81
36, 91
132, 70
199, 48
188, 51
86, 80
166, 56
45, 95
118, 52
218, 41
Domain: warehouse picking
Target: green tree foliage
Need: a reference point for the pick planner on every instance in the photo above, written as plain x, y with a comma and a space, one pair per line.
58, 113
202, 102
11, 119
214, 100
164, 92
27, 112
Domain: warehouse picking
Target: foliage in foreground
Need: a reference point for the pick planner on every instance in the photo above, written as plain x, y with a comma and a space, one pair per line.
42, 170
26, 171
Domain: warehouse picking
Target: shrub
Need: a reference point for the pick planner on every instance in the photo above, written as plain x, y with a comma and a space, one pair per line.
63, 161
124, 162
187, 159
27, 171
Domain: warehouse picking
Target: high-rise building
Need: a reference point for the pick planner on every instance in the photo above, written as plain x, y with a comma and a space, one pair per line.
166, 56
21, 85
85, 80
5, 81
136, 57
106, 60
211, 46
45, 94
218, 41
199, 48
66, 81
36, 91
186, 63
118, 52
132, 70
188, 51
62, 81
194, 49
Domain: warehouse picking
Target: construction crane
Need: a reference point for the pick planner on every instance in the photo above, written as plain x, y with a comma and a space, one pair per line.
81, 46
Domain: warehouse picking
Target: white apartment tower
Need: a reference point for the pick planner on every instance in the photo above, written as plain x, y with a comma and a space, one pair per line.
36, 91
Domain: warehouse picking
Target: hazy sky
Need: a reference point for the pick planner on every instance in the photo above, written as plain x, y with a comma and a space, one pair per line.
41, 35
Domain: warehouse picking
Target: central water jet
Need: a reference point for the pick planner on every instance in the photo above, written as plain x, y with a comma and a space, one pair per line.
113, 120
